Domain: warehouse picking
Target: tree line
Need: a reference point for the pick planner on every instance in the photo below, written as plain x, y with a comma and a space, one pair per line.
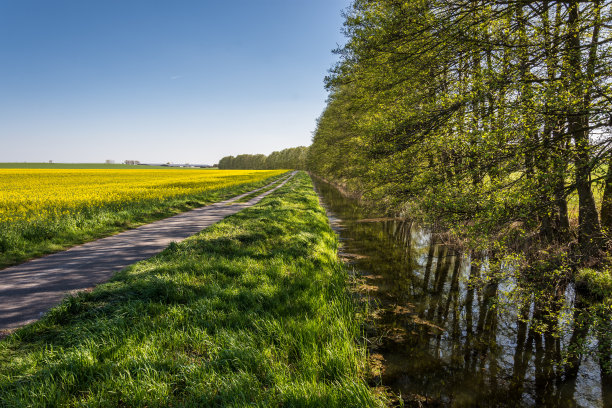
291, 158
490, 118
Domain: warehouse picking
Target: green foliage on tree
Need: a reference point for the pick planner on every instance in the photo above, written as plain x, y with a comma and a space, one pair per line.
490, 118
291, 158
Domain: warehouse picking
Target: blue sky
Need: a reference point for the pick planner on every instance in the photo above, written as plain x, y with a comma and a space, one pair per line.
158, 81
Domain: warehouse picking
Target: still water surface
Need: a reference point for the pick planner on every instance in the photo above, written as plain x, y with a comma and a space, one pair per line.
439, 340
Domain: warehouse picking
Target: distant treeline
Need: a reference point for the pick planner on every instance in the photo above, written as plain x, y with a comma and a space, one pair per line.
292, 158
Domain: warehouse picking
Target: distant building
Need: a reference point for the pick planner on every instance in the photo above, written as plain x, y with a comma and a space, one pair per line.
109, 162
131, 162
50, 161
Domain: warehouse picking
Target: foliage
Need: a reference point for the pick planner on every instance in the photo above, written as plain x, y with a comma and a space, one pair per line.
483, 117
291, 158
252, 311
597, 283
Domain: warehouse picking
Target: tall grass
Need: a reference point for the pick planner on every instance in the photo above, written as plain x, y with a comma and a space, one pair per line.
253, 311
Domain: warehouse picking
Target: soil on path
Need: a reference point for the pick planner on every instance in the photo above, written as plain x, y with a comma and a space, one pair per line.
28, 290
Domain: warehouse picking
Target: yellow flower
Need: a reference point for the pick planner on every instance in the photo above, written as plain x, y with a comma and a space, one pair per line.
40, 194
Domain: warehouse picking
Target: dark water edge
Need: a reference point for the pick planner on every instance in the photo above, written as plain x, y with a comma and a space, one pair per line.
438, 339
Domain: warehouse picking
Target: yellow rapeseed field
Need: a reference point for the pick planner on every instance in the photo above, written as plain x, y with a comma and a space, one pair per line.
38, 194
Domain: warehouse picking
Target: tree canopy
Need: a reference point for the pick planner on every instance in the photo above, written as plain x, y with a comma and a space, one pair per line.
491, 118
291, 158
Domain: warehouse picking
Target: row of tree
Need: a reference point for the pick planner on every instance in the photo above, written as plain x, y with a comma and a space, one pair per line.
291, 158
490, 117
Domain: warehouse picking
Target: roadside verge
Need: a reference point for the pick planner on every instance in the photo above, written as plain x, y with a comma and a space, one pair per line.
21, 241
251, 311
30, 289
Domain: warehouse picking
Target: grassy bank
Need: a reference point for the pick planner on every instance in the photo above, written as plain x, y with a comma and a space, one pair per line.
20, 241
252, 311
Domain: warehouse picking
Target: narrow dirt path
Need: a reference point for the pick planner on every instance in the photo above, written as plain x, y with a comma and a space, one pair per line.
28, 290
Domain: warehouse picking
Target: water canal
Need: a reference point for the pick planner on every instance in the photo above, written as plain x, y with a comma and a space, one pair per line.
439, 339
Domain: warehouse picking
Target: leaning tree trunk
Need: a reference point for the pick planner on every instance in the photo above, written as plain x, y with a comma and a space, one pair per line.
589, 231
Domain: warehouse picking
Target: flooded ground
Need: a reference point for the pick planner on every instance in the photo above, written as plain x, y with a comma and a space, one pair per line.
438, 339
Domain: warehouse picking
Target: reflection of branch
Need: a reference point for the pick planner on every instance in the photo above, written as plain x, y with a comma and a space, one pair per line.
600, 92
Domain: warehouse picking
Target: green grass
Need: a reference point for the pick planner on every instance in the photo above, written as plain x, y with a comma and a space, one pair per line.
255, 194
26, 165
253, 311
597, 282
28, 240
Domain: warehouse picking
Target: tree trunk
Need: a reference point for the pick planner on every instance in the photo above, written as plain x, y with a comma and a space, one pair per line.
606, 202
589, 230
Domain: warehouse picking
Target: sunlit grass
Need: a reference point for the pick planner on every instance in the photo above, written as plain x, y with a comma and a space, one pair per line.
253, 311
42, 211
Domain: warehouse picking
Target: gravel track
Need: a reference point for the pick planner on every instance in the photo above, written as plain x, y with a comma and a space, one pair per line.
29, 290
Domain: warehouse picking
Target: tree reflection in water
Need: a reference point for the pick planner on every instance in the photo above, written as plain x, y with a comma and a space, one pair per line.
451, 332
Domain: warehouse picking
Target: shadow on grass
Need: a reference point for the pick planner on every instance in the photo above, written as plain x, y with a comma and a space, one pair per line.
252, 311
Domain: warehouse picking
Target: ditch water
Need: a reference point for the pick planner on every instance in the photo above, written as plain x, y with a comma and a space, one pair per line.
437, 340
